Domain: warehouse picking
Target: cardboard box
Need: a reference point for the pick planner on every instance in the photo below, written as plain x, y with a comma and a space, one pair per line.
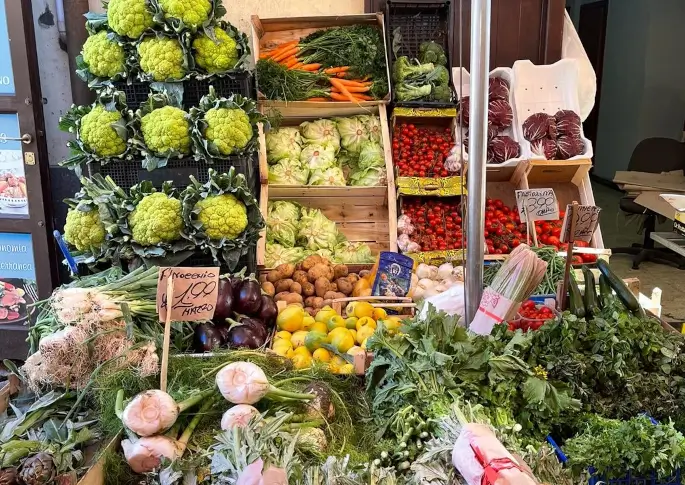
677, 201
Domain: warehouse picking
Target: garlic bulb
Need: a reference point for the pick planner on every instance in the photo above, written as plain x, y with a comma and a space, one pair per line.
426, 283
426, 271
246, 383
458, 273
145, 455
404, 225
456, 158
150, 412
239, 415
445, 271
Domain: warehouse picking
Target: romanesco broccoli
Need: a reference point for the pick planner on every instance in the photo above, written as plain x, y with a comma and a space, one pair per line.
192, 13
229, 129
84, 230
161, 57
104, 57
129, 18
222, 216
218, 56
166, 130
98, 135
157, 218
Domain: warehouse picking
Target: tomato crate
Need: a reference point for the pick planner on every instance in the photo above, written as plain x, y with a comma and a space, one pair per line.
435, 180
235, 83
126, 174
268, 32
419, 22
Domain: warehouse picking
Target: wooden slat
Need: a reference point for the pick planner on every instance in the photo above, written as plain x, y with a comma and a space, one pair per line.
293, 191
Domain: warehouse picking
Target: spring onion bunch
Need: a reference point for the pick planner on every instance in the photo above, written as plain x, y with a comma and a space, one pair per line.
520, 274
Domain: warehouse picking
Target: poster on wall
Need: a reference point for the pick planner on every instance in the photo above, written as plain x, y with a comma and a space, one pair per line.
17, 278
6, 75
13, 200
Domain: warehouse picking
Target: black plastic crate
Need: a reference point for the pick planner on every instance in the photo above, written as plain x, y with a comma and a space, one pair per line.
420, 22
193, 90
248, 261
129, 173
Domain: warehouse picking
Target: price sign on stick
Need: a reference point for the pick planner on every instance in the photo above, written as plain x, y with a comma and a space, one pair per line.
537, 205
195, 292
586, 218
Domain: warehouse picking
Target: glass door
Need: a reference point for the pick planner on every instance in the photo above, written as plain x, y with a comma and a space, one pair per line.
27, 269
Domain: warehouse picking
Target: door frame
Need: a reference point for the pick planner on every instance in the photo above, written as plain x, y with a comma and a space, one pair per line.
27, 103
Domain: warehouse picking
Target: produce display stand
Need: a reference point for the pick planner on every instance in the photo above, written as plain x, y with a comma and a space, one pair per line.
363, 214
272, 31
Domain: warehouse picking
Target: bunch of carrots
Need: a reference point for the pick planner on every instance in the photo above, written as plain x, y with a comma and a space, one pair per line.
342, 89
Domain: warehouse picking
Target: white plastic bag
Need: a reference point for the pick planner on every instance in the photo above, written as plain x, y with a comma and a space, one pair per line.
572, 48
450, 301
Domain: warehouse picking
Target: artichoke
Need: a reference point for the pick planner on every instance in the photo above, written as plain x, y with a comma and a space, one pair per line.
9, 476
38, 470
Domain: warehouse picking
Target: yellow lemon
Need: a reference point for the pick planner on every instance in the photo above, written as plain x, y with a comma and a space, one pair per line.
298, 338
364, 344
336, 321
302, 351
321, 355
366, 322
290, 319
325, 314
342, 342
354, 334
351, 322
283, 343
349, 309
302, 361
338, 331
283, 335
364, 333
356, 350
307, 322
319, 327
363, 309
283, 348
379, 314
346, 369
391, 325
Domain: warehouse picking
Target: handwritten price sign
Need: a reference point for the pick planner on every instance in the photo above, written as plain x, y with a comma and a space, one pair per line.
586, 218
537, 205
195, 293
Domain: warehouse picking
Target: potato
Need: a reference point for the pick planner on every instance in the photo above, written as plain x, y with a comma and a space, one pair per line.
331, 295
339, 271
273, 276
333, 287
309, 301
268, 288
320, 270
340, 295
312, 311
296, 288
300, 276
326, 303
283, 285
310, 261
353, 278
321, 286
286, 270
364, 273
318, 302
262, 278
307, 289
344, 286
288, 297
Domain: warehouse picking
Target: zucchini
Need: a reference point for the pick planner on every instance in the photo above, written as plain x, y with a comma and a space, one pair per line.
619, 287
606, 296
590, 296
574, 297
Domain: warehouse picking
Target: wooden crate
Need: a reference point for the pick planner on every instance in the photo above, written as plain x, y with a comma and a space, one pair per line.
294, 116
570, 180
267, 33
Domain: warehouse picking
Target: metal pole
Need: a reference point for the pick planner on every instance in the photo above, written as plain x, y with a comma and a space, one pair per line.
478, 119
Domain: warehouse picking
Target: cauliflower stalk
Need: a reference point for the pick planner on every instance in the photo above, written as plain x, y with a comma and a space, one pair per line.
156, 219
98, 134
83, 229
216, 56
162, 58
222, 216
129, 18
166, 130
192, 13
104, 56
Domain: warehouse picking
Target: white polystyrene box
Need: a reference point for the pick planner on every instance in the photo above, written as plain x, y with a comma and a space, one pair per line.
546, 89
461, 75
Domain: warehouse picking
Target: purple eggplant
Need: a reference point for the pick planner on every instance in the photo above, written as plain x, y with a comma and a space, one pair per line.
224, 301
256, 325
244, 336
206, 338
268, 311
236, 283
223, 333
249, 298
